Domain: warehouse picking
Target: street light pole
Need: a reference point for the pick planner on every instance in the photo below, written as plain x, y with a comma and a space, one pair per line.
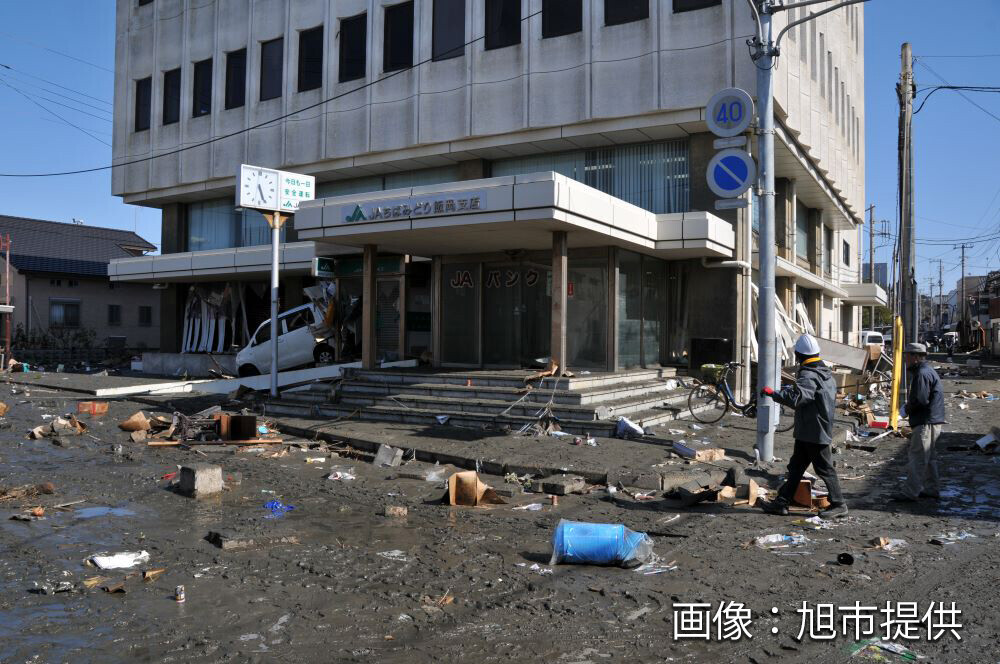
766, 50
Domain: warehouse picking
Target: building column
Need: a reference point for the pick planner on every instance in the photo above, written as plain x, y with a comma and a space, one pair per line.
560, 299
368, 308
436, 311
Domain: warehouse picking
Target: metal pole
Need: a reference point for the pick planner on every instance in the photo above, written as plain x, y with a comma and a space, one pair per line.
766, 332
275, 266
940, 296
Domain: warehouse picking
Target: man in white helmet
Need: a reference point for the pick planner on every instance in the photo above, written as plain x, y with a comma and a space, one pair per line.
813, 396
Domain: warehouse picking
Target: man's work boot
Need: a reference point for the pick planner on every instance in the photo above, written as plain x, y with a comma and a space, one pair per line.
835, 511
778, 506
901, 497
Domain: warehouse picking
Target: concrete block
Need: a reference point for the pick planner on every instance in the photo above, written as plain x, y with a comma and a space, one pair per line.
200, 479
388, 456
639, 479
559, 485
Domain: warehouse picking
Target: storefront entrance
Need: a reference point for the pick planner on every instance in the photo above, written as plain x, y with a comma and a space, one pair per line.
517, 313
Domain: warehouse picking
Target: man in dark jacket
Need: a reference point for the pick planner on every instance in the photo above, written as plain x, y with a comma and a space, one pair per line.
813, 397
925, 408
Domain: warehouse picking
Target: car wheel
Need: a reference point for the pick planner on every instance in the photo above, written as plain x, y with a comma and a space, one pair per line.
248, 370
323, 354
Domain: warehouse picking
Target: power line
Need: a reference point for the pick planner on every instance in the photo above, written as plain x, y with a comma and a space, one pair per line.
103, 118
51, 112
63, 87
960, 93
52, 50
981, 55
299, 111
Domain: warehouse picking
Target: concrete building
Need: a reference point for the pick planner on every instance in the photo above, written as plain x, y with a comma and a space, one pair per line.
60, 286
507, 180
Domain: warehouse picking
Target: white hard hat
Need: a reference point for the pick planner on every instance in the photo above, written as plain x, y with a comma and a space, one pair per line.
806, 345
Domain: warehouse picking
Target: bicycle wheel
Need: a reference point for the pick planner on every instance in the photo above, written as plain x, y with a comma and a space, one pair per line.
786, 418
707, 404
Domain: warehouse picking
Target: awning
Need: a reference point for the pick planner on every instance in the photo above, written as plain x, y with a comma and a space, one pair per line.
217, 264
808, 279
506, 213
866, 294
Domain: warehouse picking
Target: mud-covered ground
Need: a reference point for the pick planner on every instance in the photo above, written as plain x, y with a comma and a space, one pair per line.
363, 587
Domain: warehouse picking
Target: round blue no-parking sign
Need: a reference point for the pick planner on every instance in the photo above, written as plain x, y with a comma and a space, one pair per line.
731, 172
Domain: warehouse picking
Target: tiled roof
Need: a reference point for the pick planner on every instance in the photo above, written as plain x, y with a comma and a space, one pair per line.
53, 246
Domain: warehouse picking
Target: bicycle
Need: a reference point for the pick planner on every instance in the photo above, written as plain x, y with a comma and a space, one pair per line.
709, 402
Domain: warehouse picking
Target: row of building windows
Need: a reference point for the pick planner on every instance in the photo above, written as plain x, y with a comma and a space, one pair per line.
66, 313
115, 315
502, 28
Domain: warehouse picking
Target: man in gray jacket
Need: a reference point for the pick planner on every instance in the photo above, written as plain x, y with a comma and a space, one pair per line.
925, 408
813, 396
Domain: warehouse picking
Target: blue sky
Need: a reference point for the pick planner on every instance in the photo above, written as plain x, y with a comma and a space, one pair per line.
958, 194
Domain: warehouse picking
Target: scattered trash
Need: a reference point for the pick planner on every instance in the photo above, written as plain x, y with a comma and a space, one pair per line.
888, 544
466, 488
845, 559
988, 443
277, 508
626, 428
315, 459
137, 422
123, 560
951, 537
388, 456
532, 507
179, 595
395, 511
575, 542
153, 574
92, 408
200, 479
442, 419
873, 649
117, 587
676, 432
27, 491
963, 406
59, 426
233, 541
655, 565
341, 474
779, 541
696, 427
535, 567
814, 522
48, 588
92, 581
395, 555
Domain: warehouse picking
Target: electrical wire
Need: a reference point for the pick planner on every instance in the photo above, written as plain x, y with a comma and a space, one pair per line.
53, 101
52, 50
960, 93
62, 87
53, 113
264, 123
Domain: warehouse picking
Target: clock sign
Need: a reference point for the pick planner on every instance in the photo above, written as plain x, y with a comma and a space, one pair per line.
268, 189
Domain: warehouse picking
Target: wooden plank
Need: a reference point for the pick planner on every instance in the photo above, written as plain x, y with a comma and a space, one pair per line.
253, 441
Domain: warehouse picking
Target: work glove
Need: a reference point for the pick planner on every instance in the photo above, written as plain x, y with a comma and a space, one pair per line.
766, 392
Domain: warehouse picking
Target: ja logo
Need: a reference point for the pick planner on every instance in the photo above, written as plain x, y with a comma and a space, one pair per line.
357, 215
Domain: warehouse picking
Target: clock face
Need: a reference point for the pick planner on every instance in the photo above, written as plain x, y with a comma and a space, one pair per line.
259, 188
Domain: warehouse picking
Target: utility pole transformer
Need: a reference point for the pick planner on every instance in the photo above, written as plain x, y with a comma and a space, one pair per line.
766, 49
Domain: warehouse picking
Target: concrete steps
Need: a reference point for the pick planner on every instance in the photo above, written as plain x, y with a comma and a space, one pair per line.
589, 403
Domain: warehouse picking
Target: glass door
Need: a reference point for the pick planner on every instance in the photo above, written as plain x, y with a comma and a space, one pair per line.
517, 313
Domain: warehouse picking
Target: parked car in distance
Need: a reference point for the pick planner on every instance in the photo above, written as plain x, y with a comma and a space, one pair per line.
298, 344
869, 337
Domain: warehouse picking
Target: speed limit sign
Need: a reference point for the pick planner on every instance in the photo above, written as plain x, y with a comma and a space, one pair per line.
729, 112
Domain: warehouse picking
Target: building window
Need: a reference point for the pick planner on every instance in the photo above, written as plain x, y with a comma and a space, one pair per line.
171, 96
503, 23
145, 2
311, 59
271, 57
236, 78
216, 224
448, 39
653, 176
691, 5
64, 313
847, 254
114, 315
827, 250
801, 230
143, 98
353, 48
55, 282
397, 43
72, 283
145, 316
617, 12
561, 17
202, 91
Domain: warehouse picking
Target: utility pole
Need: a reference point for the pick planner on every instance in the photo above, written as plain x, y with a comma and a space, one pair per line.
871, 258
964, 306
766, 49
907, 243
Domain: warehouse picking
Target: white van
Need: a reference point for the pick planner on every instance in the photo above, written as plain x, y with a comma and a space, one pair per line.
298, 343
868, 337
